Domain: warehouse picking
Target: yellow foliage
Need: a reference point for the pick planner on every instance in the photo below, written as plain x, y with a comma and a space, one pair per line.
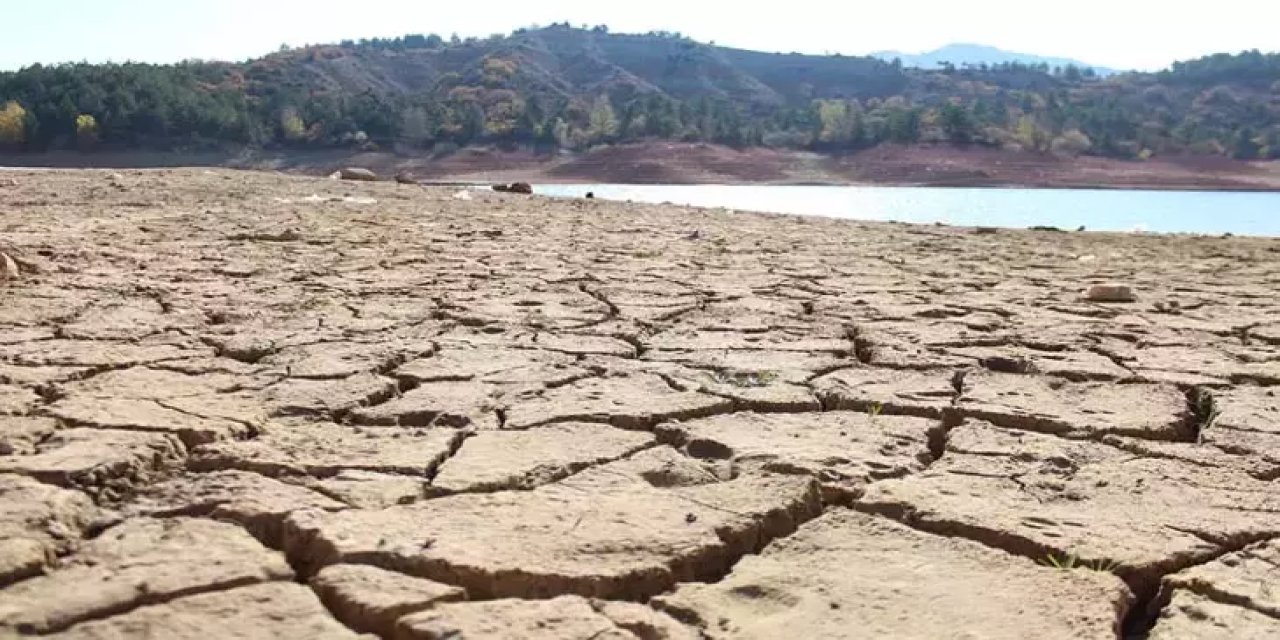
292, 125
499, 69
13, 123
86, 125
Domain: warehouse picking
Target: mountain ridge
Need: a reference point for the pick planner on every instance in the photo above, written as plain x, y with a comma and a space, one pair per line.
969, 53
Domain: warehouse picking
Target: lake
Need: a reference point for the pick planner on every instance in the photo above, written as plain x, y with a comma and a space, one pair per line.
1207, 212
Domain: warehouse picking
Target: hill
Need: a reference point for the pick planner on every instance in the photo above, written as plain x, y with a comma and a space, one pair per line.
976, 55
565, 88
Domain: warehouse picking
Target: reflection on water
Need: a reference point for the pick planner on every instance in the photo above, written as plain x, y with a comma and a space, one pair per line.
1098, 210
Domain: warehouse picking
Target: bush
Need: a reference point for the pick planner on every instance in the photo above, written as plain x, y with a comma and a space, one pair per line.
1071, 143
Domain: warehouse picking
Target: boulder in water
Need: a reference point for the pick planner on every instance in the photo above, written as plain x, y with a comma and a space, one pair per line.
515, 187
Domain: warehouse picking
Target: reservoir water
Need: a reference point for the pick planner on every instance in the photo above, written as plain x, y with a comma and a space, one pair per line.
1205, 212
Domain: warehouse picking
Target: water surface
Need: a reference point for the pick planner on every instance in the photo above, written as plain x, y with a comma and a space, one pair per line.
1210, 212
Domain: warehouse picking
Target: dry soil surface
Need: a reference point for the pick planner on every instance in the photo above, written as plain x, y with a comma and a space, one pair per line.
256, 406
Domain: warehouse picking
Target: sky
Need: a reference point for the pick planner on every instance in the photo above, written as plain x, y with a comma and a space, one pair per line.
1124, 34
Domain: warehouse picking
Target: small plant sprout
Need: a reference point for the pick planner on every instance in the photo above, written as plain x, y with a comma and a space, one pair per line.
875, 409
1072, 561
1063, 563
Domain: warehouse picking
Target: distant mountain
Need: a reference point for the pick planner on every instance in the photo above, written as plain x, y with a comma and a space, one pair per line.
977, 54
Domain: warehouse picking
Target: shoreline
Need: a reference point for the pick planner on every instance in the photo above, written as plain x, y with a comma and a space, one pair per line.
661, 163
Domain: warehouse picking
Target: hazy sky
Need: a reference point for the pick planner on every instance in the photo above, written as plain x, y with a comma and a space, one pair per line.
1138, 34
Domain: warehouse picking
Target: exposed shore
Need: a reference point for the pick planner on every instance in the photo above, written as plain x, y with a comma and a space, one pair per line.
276, 406
679, 163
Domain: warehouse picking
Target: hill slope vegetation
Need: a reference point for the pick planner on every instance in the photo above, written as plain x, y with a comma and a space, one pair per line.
569, 88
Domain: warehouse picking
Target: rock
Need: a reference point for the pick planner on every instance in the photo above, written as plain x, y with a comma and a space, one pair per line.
358, 174
8, 268
371, 600
847, 571
604, 536
258, 612
515, 187
140, 562
405, 178
563, 617
1110, 293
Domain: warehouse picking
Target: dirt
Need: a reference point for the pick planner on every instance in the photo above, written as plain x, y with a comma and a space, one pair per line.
660, 162
279, 406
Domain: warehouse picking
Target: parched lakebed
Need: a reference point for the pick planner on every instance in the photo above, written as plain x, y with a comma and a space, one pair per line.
250, 405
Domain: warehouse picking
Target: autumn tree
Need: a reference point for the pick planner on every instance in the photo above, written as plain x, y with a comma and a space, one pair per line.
841, 123
13, 124
603, 123
86, 131
1031, 135
292, 126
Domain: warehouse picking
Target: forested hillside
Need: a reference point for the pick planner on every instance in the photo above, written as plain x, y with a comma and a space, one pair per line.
563, 87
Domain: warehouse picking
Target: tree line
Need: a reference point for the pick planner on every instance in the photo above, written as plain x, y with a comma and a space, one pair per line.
1222, 105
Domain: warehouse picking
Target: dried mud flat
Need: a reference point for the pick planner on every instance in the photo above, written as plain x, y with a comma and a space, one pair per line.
246, 405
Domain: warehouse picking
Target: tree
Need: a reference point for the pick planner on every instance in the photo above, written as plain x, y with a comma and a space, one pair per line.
291, 125
560, 132
603, 123
86, 131
903, 125
1030, 135
415, 126
13, 124
956, 122
1243, 146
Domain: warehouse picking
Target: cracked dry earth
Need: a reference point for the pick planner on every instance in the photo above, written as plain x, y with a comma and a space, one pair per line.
253, 406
